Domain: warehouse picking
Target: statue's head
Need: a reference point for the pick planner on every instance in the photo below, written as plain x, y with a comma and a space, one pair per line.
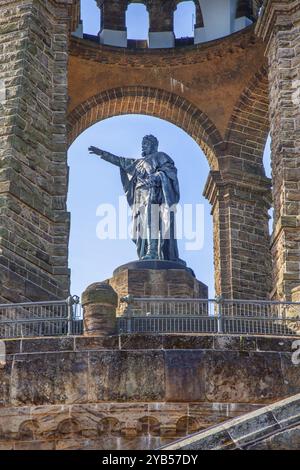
149, 145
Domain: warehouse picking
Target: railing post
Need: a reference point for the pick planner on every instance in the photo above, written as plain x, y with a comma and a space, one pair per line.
219, 302
70, 314
72, 300
128, 321
127, 314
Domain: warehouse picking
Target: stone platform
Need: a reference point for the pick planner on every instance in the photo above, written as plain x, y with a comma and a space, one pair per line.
137, 391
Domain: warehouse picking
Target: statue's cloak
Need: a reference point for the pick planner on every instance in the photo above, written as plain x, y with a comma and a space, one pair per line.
167, 196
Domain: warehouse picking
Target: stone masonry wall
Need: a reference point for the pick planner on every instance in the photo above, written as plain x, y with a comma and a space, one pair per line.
179, 368
135, 391
34, 224
241, 235
33, 181
280, 26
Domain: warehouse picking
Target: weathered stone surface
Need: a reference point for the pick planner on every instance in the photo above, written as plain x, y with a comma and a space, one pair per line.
252, 377
291, 375
207, 414
277, 344
49, 378
126, 376
285, 440
142, 342
253, 428
188, 342
240, 203
258, 430
48, 345
13, 346
185, 375
181, 368
172, 283
279, 26
99, 302
239, 343
96, 343
33, 186
106, 425
105, 391
5, 375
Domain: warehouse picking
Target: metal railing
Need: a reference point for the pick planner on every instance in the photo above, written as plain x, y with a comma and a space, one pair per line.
158, 315
54, 318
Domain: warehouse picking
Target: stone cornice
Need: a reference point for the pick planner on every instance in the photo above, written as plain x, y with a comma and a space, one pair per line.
230, 181
235, 44
276, 15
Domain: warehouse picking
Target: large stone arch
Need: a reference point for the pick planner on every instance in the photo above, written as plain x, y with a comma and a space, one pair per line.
153, 102
249, 126
194, 87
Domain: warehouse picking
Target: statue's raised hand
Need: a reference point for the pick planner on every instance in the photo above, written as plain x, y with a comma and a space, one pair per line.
95, 151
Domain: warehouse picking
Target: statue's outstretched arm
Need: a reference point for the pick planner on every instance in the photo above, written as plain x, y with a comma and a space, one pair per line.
107, 156
121, 162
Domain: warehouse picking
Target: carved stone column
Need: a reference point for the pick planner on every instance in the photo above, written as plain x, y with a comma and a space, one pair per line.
279, 26
241, 234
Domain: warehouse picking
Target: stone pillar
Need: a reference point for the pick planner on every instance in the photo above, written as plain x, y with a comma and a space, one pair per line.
161, 34
199, 32
113, 30
279, 26
99, 303
33, 144
244, 14
241, 235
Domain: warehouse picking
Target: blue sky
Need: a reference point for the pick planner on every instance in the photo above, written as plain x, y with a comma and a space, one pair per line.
94, 182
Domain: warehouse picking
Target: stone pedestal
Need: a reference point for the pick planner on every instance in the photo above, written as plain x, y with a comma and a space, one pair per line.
99, 303
156, 279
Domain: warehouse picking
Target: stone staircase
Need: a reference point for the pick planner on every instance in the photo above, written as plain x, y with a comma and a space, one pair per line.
273, 427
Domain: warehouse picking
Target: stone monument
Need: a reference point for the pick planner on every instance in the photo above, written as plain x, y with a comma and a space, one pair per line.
152, 190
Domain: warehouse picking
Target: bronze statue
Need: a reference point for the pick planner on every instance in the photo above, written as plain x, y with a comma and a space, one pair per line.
150, 182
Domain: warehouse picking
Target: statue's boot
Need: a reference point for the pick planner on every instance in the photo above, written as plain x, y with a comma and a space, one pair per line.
152, 252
